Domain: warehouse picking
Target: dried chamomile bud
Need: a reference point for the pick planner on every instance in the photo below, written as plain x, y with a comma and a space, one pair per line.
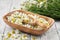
9, 35
13, 32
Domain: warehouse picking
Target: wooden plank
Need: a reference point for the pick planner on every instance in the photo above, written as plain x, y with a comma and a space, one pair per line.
0, 36
57, 23
51, 34
4, 8
43, 37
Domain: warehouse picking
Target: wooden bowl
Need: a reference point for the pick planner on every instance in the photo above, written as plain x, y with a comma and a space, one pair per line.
25, 29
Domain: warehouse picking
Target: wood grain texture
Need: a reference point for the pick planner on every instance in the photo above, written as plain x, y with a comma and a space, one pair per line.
8, 5
51, 34
57, 24
4, 8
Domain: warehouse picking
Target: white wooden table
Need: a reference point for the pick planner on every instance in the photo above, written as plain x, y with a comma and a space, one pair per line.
8, 5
